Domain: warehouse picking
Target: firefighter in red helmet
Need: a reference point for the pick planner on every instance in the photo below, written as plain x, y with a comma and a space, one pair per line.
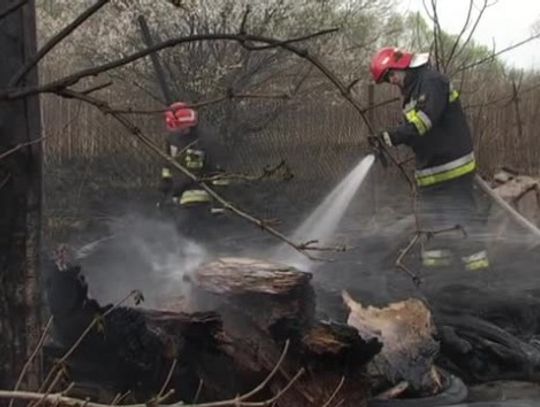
436, 129
184, 144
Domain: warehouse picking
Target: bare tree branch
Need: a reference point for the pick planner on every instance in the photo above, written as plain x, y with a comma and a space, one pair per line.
239, 401
12, 8
96, 88
496, 54
60, 362
76, 77
27, 364
503, 98
19, 146
437, 33
168, 379
292, 40
515, 100
136, 131
460, 35
200, 104
473, 29
242, 29
335, 392
67, 30
5, 181
399, 261
198, 392
60, 85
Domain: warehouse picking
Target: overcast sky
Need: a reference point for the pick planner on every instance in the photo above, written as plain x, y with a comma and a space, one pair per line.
506, 23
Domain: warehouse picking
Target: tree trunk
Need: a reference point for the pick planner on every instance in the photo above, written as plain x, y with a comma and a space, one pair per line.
20, 202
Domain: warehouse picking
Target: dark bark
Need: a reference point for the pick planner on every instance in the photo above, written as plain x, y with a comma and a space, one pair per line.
20, 199
262, 305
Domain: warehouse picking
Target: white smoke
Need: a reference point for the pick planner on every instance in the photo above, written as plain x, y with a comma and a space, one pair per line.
147, 254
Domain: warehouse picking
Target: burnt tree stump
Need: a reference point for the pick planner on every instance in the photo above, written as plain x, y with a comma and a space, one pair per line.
262, 305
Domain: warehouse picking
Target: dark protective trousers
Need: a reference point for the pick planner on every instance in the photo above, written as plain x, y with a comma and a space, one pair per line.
444, 206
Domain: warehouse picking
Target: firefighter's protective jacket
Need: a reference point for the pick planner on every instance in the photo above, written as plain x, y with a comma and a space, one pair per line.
189, 151
435, 127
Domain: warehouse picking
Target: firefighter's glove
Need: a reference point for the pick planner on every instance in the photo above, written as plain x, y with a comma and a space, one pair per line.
382, 139
378, 144
385, 138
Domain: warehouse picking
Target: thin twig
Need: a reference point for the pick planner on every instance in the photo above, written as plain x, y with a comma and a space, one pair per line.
200, 104
68, 389
263, 384
19, 146
309, 245
83, 335
168, 379
26, 366
66, 31
393, 392
49, 389
273, 399
198, 392
473, 29
496, 54
415, 239
502, 98
242, 29
5, 181
399, 261
458, 38
437, 32
335, 392
165, 397
291, 41
96, 88
12, 8
239, 401
115, 399
266, 173
122, 397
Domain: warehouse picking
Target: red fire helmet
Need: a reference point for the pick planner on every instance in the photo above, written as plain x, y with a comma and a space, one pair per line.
180, 117
394, 58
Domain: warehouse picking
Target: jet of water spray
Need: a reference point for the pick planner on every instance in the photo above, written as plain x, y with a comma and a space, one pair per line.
324, 220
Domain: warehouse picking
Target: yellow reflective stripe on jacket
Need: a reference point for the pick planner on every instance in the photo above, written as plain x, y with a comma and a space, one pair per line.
194, 196
454, 95
166, 173
446, 172
421, 120
221, 182
477, 265
194, 159
436, 262
436, 258
476, 261
193, 164
418, 119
